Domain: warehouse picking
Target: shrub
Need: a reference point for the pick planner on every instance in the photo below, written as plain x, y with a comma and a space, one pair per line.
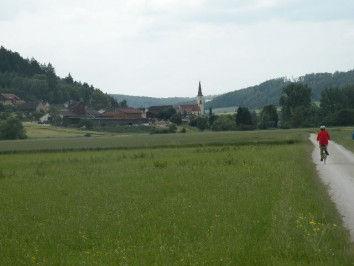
12, 128
223, 123
166, 130
199, 122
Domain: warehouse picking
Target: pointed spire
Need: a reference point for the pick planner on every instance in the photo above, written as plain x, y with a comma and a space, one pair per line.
200, 90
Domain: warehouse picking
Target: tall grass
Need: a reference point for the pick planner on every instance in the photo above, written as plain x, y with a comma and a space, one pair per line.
153, 141
343, 136
255, 204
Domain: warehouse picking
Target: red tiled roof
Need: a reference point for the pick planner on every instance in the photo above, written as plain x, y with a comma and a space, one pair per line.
189, 108
122, 111
10, 96
129, 110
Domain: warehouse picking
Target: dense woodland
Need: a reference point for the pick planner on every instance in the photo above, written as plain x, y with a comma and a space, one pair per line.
269, 92
32, 81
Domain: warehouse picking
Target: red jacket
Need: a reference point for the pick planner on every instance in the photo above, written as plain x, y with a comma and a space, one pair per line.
323, 137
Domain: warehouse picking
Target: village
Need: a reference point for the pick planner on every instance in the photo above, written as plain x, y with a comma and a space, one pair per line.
72, 113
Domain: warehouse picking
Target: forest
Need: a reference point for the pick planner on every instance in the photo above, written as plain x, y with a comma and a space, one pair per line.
269, 92
33, 81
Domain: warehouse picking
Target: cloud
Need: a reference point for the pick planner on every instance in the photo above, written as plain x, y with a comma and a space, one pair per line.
162, 47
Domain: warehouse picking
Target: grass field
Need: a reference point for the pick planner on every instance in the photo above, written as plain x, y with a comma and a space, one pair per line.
128, 141
245, 203
37, 131
343, 136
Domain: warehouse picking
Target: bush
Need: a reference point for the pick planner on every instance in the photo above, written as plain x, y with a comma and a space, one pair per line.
12, 128
166, 130
86, 123
183, 130
223, 123
199, 122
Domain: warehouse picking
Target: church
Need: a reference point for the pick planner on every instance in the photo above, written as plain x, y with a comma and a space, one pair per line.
197, 108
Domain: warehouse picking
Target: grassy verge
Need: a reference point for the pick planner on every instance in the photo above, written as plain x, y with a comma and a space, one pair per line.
256, 204
343, 136
153, 141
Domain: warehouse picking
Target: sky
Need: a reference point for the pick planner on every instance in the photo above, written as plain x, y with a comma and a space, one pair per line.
163, 48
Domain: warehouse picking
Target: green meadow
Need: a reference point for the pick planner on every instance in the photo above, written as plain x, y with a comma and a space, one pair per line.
199, 198
343, 136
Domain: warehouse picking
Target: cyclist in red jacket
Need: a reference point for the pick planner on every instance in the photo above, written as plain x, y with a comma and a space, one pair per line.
323, 138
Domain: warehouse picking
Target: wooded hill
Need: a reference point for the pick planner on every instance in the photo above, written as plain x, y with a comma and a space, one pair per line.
269, 92
145, 101
32, 81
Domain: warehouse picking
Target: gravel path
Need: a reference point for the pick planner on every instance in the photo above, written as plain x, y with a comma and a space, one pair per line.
338, 174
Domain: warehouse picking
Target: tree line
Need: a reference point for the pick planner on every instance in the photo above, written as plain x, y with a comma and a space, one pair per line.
296, 109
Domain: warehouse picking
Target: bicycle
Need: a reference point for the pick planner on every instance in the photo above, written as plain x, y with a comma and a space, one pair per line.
324, 153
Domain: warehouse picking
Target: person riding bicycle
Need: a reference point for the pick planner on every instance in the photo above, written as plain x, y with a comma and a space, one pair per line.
323, 138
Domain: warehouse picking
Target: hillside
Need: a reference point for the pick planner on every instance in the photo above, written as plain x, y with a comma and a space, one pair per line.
269, 92
32, 81
144, 101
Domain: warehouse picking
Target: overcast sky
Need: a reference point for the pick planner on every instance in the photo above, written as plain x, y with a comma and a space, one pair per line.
164, 47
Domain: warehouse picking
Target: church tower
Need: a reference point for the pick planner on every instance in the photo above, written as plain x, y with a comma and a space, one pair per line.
200, 100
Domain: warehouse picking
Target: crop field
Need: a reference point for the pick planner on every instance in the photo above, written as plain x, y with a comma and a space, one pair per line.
258, 202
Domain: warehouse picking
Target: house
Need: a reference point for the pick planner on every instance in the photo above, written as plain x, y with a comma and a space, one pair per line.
189, 109
44, 119
78, 111
123, 116
42, 106
10, 99
39, 106
124, 113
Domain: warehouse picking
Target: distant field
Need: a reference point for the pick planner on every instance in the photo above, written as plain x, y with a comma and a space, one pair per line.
254, 204
151, 141
343, 136
36, 131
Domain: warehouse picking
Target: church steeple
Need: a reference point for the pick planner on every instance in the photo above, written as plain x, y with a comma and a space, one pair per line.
200, 90
200, 100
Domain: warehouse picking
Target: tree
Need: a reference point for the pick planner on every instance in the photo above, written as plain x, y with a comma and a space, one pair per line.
69, 79
336, 106
211, 117
243, 116
268, 117
166, 113
344, 117
51, 76
201, 123
223, 123
176, 118
123, 104
296, 104
12, 128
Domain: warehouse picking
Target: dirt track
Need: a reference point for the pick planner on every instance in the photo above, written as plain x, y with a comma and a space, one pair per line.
338, 174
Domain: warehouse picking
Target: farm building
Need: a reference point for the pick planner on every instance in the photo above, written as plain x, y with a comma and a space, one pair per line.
39, 106
10, 99
123, 116
189, 109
